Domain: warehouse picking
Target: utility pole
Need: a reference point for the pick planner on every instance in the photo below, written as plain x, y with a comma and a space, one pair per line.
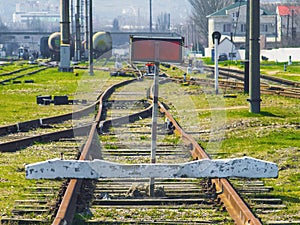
288, 25
293, 31
64, 64
254, 57
150, 1
72, 17
77, 24
86, 28
91, 69
246, 68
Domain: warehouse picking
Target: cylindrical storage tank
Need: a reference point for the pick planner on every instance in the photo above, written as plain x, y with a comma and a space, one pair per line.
54, 42
44, 47
102, 44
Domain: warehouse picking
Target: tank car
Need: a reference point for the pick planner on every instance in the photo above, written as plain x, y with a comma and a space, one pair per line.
44, 48
54, 46
23, 53
102, 45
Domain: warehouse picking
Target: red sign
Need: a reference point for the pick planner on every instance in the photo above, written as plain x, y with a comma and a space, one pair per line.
153, 49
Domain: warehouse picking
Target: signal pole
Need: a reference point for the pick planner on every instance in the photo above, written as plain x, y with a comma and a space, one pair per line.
150, 1
91, 69
86, 9
254, 86
64, 64
77, 34
246, 69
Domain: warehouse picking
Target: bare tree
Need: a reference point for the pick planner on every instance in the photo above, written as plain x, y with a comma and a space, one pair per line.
163, 22
200, 10
3, 27
116, 26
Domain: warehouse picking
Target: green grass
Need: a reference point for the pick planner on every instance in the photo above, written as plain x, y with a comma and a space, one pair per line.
13, 185
279, 145
12, 66
18, 103
277, 70
271, 135
16, 100
271, 68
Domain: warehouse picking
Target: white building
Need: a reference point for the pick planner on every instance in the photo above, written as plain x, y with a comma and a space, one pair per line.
288, 24
231, 23
36, 13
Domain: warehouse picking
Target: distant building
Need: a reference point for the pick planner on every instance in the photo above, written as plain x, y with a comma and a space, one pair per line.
288, 22
36, 14
231, 23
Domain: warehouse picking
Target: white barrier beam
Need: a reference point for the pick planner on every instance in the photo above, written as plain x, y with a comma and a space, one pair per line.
245, 167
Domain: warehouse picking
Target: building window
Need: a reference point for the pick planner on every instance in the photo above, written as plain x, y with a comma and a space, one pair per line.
264, 27
243, 27
235, 14
227, 27
26, 37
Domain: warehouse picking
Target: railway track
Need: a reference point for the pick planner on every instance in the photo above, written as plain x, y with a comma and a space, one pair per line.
39, 200
17, 136
196, 154
128, 199
269, 84
119, 201
12, 77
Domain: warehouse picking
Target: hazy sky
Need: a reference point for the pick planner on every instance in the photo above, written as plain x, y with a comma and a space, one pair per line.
112, 8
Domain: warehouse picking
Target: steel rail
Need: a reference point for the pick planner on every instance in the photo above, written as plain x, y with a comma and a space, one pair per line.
266, 77
235, 206
36, 123
13, 146
18, 144
67, 209
265, 88
17, 71
20, 76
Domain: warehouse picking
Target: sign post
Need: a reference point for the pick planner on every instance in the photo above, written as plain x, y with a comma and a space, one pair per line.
155, 50
216, 40
154, 125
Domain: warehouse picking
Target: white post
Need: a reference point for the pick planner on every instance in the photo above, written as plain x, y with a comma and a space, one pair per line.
216, 66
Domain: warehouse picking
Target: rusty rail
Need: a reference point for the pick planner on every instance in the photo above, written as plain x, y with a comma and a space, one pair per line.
235, 206
36, 123
67, 207
225, 71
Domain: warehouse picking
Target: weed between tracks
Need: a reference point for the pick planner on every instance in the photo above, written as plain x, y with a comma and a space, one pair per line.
184, 213
13, 184
272, 135
18, 104
271, 68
